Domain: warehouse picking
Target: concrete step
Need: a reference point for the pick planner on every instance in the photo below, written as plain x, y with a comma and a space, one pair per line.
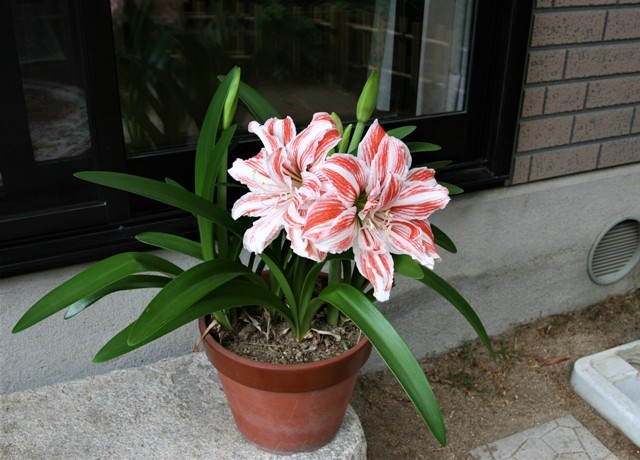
171, 409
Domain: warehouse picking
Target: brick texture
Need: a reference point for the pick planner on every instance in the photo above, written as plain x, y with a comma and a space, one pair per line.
546, 65
581, 99
568, 27
543, 133
623, 23
620, 152
565, 98
533, 102
521, 167
613, 91
564, 161
563, 3
602, 124
603, 60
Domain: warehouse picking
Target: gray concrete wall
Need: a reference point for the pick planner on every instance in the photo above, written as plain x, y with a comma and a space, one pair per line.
522, 254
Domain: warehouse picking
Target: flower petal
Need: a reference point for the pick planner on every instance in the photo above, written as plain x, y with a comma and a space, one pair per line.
303, 246
256, 204
408, 238
392, 157
377, 268
346, 174
368, 147
417, 201
264, 231
274, 133
310, 147
284, 130
251, 172
331, 225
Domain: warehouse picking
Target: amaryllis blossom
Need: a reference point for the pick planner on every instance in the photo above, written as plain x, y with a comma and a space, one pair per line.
377, 205
282, 182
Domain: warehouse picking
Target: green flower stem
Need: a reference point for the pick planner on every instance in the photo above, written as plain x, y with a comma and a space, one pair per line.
221, 200
356, 138
335, 275
342, 147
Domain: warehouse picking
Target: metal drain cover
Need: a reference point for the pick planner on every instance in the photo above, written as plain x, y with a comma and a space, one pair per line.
615, 252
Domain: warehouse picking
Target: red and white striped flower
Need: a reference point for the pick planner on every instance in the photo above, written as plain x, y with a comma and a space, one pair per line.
375, 204
282, 182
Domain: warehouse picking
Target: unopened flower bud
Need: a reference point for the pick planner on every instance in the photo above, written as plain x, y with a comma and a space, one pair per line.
368, 97
231, 102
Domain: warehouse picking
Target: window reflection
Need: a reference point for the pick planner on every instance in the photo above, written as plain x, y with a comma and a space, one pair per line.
303, 56
51, 82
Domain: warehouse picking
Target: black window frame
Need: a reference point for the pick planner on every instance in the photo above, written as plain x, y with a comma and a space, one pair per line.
481, 139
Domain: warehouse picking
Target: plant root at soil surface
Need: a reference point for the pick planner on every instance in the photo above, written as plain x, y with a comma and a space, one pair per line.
484, 401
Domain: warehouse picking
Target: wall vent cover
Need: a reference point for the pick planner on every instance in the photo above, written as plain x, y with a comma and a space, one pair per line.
615, 252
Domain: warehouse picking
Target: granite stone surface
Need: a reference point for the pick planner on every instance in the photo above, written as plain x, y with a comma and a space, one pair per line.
171, 409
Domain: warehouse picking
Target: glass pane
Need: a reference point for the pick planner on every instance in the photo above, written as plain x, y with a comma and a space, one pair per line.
303, 56
51, 80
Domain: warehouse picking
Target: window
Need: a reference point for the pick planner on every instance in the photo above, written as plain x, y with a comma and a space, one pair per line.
123, 85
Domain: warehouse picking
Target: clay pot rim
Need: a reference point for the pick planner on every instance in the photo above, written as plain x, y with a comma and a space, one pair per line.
258, 374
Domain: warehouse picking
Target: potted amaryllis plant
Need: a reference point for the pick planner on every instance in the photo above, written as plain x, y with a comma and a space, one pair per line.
331, 215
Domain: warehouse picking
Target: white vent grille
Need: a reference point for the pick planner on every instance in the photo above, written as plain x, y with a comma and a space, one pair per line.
615, 252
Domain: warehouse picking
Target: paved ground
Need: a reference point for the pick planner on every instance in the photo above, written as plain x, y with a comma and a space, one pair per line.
564, 438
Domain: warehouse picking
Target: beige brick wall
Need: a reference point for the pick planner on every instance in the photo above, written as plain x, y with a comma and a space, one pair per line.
581, 99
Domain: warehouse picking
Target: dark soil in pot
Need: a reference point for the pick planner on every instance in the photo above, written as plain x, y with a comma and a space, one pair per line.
260, 337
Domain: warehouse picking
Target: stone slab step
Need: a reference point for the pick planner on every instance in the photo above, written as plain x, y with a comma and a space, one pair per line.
167, 410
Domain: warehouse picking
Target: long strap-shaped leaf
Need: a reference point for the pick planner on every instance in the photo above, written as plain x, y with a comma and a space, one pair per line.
218, 160
260, 107
278, 272
393, 350
124, 284
410, 268
172, 243
184, 291
210, 153
94, 279
443, 240
165, 193
235, 293
208, 134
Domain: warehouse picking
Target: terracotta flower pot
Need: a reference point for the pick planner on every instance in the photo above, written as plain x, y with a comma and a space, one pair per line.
286, 408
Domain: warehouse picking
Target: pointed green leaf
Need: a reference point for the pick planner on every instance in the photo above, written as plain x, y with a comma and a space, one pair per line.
346, 137
405, 265
94, 279
392, 349
260, 107
124, 284
217, 160
184, 291
442, 240
438, 164
277, 271
165, 193
235, 293
446, 291
209, 131
402, 132
453, 189
172, 243
417, 147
